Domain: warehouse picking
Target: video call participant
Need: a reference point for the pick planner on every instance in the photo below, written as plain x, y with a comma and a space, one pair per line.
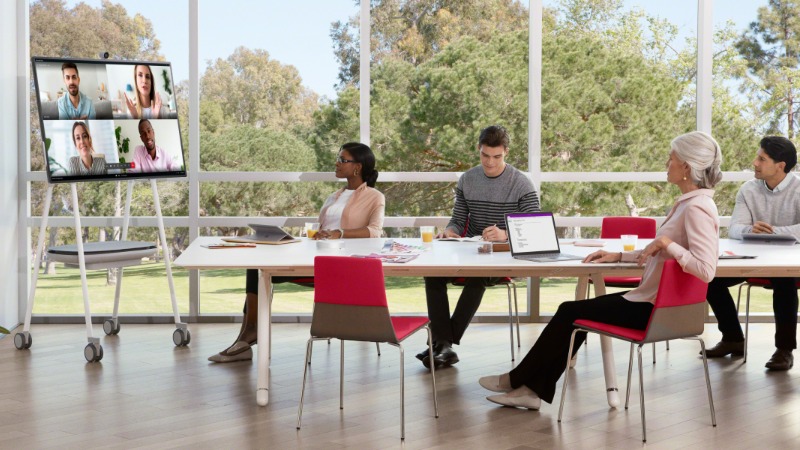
149, 157
354, 211
689, 235
148, 102
768, 204
85, 163
484, 195
74, 104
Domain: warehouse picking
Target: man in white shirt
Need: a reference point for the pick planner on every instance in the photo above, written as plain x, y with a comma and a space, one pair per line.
150, 157
768, 204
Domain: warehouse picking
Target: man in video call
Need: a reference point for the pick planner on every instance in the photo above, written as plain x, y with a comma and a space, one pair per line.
74, 104
150, 157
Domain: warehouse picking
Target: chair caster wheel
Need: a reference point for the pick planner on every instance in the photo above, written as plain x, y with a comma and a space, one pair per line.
181, 337
92, 352
23, 340
111, 327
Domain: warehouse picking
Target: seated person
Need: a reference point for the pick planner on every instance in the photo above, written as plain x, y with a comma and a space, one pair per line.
484, 195
689, 235
84, 163
149, 157
354, 211
768, 204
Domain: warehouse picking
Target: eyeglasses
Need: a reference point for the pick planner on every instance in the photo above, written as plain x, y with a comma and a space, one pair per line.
341, 160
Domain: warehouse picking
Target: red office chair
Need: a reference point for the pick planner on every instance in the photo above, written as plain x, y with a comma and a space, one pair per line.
350, 304
511, 288
679, 313
750, 282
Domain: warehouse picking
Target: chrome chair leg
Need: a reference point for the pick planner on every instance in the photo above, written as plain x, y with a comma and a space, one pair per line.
341, 376
309, 345
510, 321
433, 372
641, 393
630, 369
378, 346
708, 381
403, 395
566, 373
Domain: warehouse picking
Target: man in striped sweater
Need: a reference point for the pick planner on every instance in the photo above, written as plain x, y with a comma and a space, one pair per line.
484, 195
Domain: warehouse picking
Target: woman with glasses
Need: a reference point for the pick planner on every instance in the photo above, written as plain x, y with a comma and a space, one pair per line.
354, 211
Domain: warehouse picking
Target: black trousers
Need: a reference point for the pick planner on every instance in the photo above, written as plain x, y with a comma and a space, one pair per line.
251, 283
784, 304
450, 329
545, 362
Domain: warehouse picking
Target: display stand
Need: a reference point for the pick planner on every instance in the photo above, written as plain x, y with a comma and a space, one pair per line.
101, 255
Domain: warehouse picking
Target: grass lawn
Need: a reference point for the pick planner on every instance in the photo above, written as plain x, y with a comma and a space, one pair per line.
145, 291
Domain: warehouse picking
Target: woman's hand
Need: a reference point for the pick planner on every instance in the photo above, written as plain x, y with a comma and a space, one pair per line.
328, 234
156, 106
447, 233
653, 249
494, 234
602, 256
131, 106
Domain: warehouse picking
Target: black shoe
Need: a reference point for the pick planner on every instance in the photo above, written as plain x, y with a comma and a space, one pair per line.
443, 356
423, 354
781, 360
725, 348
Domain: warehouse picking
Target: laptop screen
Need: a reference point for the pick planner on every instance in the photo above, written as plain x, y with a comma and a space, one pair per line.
532, 233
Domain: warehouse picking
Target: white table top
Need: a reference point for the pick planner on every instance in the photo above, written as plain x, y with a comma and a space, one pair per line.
463, 259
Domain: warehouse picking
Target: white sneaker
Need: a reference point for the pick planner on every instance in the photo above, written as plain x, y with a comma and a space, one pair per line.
521, 397
492, 383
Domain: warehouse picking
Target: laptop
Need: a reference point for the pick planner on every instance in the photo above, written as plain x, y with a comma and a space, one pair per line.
532, 237
764, 238
264, 234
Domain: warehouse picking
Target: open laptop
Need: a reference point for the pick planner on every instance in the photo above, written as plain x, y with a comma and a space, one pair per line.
264, 234
532, 237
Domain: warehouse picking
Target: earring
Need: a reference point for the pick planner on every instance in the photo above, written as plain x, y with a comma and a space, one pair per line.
684, 178
356, 173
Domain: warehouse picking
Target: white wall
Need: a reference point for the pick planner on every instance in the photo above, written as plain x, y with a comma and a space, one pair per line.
9, 157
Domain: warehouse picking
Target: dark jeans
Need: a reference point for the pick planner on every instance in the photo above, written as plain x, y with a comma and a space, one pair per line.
251, 283
450, 329
545, 362
784, 304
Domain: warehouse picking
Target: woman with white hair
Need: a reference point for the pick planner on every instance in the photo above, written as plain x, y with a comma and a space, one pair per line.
689, 235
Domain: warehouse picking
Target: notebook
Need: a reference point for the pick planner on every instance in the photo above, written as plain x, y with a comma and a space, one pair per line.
532, 237
264, 234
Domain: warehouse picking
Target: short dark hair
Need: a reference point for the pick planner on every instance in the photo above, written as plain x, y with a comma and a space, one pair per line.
780, 149
69, 65
364, 156
493, 136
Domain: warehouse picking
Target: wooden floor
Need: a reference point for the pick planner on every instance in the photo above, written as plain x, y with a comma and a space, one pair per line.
146, 393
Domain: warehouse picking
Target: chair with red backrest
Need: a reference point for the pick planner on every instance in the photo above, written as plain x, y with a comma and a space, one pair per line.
750, 282
678, 313
511, 288
350, 305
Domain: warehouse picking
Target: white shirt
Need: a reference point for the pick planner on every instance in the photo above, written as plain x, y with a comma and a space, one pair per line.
333, 215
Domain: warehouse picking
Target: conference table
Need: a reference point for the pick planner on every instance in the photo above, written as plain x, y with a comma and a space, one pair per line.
460, 259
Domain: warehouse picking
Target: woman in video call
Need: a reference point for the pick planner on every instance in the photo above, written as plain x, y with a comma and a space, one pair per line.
354, 211
148, 102
84, 163
688, 235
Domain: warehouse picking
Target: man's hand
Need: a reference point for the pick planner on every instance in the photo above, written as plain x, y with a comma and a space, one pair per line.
447, 233
763, 228
494, 234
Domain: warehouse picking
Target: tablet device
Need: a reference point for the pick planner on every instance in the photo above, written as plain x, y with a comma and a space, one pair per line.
784, 239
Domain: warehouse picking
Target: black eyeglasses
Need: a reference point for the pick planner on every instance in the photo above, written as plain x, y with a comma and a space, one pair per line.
341, 160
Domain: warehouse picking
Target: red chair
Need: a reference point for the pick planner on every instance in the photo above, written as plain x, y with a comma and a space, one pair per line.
350, 304
750, 282
678, 313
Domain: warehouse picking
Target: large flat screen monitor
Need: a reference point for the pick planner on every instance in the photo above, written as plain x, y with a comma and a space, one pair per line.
108, 119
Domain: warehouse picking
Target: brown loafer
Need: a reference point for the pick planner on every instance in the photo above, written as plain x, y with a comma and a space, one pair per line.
781, 360
724, 349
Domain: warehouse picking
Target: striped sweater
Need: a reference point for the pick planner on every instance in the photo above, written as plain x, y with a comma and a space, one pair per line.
485, 200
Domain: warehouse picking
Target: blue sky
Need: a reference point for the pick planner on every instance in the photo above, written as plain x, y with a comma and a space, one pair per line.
297, 32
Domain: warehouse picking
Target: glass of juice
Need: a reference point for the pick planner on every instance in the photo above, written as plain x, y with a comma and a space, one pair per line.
311, 229
629, 242
427, 232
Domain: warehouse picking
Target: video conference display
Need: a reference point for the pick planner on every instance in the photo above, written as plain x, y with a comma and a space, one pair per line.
107, 119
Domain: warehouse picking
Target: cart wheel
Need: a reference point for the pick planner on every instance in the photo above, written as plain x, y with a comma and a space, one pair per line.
181, 337
23, 341
109, 328
92, 352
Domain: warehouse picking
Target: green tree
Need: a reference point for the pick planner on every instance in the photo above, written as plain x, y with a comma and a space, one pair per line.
771, 48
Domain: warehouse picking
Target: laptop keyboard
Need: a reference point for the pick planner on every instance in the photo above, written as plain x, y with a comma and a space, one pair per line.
553, 256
